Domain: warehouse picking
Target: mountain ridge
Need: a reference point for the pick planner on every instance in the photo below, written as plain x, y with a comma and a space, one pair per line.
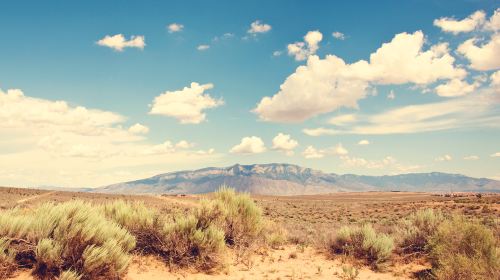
291, 179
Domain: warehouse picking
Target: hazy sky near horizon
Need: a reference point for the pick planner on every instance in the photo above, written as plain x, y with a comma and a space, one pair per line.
98, 92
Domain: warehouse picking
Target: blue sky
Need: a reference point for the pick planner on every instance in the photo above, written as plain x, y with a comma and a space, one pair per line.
418, 81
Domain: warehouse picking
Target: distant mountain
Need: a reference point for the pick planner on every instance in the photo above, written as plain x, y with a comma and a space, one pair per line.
288, 179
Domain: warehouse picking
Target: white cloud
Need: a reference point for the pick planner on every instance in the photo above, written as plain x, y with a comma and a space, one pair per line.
175, 27
302, 50
342, 120
471, 157
339, 150
495, 154
258, 27
138, 129
370, 164
482, 57
364, 142
455, 87
277, 53
183, 144
319, 131
118, 42
90, 147
444, 158
187, 105
455, 26
338, 35
495, 81
203, 47
494, 23
284, 143
469, 111
391, 95
249, 145
311, 153
324, 85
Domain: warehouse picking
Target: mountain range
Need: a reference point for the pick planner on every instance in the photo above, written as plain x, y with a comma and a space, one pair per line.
289, 179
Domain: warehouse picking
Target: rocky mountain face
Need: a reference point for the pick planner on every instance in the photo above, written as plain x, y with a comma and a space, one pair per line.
289, 179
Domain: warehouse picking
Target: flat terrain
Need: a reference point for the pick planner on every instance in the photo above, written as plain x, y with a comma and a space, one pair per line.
308, 219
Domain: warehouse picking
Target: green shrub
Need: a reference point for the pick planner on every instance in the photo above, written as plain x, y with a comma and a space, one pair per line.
53, 238
362, 242
7, 259
142, 222
414, 231
242, 218
186, 242
462, 249
274, 235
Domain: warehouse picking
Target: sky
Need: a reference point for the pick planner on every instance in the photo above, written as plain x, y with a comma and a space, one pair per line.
99, 92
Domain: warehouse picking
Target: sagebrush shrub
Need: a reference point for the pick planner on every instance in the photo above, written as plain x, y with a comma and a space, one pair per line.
53, 238
69, 275
242, 221
274, 235
415, 230
362, 242
186, 243
462, 249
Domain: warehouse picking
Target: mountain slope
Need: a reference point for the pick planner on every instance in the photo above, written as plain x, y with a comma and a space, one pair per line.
288, 179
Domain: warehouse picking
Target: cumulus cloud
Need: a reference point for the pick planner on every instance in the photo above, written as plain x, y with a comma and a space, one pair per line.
364, 142
455, 87
175, 27
455, 26
320, 131
495, 154
249, 145
312, 153
302, 50
471, 157
284, 142
494, 23
370, 164
91, 147
338, 35
324, 85
118, 42
258, 27
138, 129
444, 158
203, 47
277, 53
186, 105
482, 57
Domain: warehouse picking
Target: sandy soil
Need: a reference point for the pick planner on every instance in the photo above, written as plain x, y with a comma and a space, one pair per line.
274, 264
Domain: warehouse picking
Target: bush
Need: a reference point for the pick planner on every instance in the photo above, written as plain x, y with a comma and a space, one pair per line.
242, 218
7, 261
362, 242
54, 238
274, 235
462, 249
186, 242
415, 231
143, 223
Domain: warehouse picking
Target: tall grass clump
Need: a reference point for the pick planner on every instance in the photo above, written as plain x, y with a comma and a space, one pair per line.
241, 218
142, 222
415, 230
462, 249
189, 242
69, 275
362, 242
71, 235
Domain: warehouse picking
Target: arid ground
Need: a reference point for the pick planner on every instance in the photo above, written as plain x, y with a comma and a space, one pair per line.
309, 220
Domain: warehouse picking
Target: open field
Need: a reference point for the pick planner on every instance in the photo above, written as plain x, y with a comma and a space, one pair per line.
309, 221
